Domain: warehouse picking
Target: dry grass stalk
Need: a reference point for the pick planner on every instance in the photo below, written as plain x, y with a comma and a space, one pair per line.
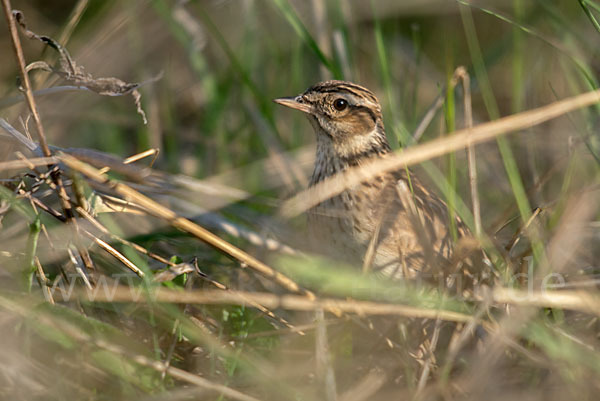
461, 73
76, 333
157, 210
269, 300
14, 35
583, 301
28, 163
458, 140
11, 18
119, 256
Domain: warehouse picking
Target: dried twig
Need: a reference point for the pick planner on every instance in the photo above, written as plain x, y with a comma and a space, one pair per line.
461, 73
75, 75
16, 42
65, 202
119, 256
29, 163
157, 210
43, 281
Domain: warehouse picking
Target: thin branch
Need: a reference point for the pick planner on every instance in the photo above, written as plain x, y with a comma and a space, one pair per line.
16, 42
56, 177
155, 209
427, 367
463, 75
428, 117
27, 163
28, 143
44, 282
12, 100
119, 256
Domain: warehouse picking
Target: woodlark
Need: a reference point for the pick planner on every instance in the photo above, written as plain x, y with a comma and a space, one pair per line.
392, 224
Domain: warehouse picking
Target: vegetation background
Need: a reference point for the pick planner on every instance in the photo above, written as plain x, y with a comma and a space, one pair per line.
227, 159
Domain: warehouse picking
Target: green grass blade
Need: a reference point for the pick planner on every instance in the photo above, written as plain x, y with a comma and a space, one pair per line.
292, 18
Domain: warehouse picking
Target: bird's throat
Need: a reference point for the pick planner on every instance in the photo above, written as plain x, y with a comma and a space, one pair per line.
334, 156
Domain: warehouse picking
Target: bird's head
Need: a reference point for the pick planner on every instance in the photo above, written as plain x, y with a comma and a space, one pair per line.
345, 116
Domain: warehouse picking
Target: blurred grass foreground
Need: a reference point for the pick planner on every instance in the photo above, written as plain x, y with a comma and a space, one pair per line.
147, 248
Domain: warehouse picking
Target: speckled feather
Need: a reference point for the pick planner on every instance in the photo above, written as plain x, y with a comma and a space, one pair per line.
349, 127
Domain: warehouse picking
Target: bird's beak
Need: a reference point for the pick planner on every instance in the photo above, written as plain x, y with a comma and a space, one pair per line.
295, 102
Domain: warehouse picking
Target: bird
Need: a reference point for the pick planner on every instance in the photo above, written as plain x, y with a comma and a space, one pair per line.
393, 224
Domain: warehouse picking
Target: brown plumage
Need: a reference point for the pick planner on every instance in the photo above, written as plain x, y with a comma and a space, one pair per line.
391, 224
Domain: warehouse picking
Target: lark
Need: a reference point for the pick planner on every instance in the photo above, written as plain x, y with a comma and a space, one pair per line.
391, 224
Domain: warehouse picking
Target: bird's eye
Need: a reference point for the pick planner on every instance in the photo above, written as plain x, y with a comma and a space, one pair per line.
340, 104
